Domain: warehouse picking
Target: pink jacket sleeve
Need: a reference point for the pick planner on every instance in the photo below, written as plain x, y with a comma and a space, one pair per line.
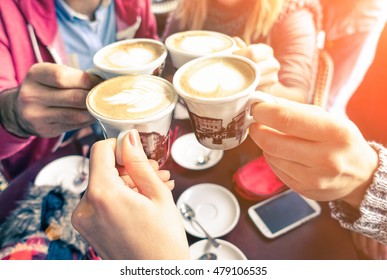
295, 47
130, 10
10, 144
148, 27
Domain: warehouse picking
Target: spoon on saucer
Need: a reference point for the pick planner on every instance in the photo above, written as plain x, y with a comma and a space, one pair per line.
83, 175
208, 256
189, 214
204, 158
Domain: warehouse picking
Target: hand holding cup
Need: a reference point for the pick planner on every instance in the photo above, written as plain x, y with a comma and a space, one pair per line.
263, 56
49, 102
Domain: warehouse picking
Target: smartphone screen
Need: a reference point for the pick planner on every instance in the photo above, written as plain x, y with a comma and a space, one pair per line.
282, 213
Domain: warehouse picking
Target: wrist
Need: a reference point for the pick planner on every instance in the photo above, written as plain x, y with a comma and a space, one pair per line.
8, 116
357, 195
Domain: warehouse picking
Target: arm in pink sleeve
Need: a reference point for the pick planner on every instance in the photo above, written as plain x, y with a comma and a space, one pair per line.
148, 27
294, 40
9, 143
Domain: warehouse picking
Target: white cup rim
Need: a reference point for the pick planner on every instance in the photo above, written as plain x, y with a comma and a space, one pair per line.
205, 100
149, 65
170, 47
150, 118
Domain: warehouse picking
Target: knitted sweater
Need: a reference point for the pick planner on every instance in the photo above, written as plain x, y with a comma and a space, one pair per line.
371, 218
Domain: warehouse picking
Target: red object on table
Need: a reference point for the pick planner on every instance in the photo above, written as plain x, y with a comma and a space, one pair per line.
256, 181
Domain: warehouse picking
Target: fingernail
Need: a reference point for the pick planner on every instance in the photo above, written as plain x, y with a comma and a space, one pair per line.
134, 138
170, 184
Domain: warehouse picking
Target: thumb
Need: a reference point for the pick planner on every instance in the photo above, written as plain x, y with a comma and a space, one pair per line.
239, 42
138, 167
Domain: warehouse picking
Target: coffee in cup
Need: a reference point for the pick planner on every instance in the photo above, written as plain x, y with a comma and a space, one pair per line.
219, 92
130, 57
131, 98
217, 77
187, 45
143, 102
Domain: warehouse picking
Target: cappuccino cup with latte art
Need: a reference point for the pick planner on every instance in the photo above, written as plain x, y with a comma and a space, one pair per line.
130, 57
187, 45
142, 102
220, 92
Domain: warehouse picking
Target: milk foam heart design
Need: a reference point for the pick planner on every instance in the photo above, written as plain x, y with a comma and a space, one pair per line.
187, 45
130, 57
140, 56
130, 54
218, 79
203, 44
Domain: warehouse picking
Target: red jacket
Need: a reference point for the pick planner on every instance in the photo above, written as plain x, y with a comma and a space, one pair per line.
17, 55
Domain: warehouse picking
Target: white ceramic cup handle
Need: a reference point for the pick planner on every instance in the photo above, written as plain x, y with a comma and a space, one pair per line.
257, 97
120, 137
99, 73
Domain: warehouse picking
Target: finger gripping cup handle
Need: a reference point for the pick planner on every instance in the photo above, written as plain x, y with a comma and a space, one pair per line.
257, 97
103, 75
120, 138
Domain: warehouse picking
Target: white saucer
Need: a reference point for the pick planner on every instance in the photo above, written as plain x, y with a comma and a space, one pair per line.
63, 171
216, 209
186, 149
226, 250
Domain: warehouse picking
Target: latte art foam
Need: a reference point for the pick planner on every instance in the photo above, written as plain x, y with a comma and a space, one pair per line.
131, 97
141, 97
217, 77
201, 43
131, 55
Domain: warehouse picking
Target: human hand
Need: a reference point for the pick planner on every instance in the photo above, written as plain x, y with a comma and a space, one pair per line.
314, 153
51, 100
369, 248
164, 175
120, 222
263, 56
